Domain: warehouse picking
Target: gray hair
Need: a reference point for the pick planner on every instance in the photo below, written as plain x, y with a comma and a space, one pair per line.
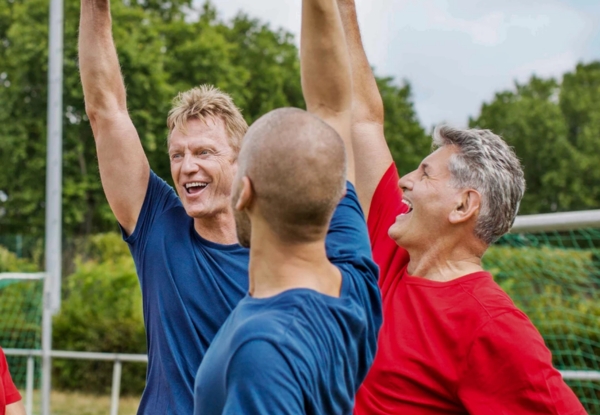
487, 164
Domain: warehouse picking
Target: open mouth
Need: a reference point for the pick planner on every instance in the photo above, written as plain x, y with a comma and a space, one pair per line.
408, 204
193, 188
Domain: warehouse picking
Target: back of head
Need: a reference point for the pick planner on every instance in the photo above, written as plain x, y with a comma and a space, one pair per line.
207, 101
485, 162
297, 166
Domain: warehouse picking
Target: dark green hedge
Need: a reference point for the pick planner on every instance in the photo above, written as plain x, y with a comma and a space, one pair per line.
101, 312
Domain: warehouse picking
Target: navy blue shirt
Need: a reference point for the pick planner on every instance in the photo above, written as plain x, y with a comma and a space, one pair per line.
189, 288
299, 352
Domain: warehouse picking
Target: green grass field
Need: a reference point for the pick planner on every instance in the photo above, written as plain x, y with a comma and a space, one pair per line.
74, 403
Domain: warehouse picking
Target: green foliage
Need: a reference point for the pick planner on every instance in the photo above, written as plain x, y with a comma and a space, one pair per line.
101, 312
10, 263
555, 129
20, 311
558, 289
406, 138
162, 51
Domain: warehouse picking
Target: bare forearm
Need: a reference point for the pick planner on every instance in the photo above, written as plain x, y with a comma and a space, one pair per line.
16, 408
367, 104
372, 155
101, 78
326, 78
124, 168
326, 74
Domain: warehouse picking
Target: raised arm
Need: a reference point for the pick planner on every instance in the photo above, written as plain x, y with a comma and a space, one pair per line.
124, 168
326, 76
372, 156
16, 408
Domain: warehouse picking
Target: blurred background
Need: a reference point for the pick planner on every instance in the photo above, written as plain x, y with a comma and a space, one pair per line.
528, 70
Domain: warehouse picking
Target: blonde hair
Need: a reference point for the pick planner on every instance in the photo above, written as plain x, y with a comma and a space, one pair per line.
207, 101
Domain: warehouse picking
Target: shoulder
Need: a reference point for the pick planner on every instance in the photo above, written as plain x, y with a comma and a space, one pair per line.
488, 297
264, 319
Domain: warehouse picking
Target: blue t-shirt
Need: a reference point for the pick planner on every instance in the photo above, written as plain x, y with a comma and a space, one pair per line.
299, 352
189, 288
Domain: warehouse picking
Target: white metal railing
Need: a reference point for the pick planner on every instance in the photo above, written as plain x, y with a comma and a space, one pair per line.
523, 223
557, 221
22, 275
117, 358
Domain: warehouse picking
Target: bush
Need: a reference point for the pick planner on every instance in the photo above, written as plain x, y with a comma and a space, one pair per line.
101, 312
10, 263
558, 289
20, 312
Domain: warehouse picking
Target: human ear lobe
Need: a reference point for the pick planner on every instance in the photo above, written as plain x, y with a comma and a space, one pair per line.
467, 206
246, 195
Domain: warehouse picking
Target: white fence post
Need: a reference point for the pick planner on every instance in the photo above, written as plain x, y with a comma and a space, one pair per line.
116, 388
29, 385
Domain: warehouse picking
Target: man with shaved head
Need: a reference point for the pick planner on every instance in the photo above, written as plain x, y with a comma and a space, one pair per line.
297, 165
303, 338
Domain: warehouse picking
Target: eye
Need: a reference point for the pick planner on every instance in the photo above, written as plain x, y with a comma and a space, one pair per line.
175, 156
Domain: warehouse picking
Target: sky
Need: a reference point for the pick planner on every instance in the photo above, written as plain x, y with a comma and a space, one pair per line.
457, 54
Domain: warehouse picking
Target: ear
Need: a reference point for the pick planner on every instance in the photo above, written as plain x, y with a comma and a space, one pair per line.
467, 206
244, 200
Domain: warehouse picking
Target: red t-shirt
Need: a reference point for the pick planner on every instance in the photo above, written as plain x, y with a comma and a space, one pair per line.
8, 391
457, 347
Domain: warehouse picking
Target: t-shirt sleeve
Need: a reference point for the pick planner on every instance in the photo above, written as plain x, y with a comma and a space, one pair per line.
386, 205
261, 381
10, 390
347, 239
509, 371
159, 198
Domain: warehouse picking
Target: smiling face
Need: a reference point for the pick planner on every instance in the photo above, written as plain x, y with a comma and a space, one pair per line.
431, 198
203, 166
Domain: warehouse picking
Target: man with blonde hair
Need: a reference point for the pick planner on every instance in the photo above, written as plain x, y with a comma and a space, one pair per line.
191, 269
303, 338
452, 342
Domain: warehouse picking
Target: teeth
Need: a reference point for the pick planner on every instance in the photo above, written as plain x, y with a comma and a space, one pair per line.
195, 184
408, 203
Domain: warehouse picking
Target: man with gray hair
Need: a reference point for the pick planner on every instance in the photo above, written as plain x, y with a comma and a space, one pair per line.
452, 341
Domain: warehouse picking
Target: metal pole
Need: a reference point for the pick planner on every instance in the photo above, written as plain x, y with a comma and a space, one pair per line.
29, 386
53, 246
54, 152
116, 388
46, 348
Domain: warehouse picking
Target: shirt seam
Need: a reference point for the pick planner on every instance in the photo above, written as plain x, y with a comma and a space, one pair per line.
262, 338
472, 342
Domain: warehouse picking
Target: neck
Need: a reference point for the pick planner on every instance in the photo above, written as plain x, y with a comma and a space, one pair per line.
276, 267
219, 228
445, 261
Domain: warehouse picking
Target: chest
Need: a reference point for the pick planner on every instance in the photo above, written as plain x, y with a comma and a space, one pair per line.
422, 346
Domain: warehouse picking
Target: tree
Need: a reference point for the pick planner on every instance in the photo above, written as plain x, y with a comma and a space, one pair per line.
555, 130
405, 136
161, 51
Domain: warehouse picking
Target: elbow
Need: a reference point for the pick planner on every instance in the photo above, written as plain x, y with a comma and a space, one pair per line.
102, 106
370, 111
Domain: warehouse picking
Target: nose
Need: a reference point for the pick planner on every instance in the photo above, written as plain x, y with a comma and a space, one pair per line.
406, 182
188, 165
